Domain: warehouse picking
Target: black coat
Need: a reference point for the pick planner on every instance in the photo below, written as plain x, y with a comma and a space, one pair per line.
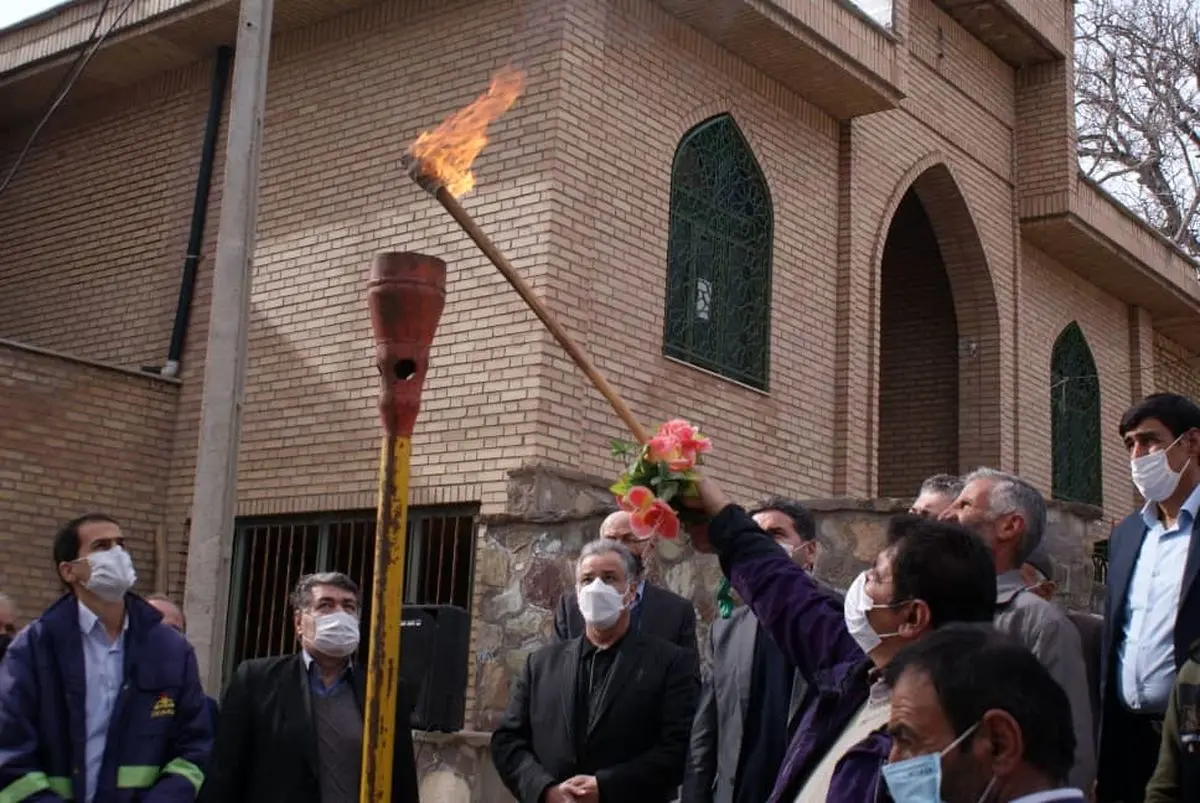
663, 613
1128, 750
266, 746
636, 745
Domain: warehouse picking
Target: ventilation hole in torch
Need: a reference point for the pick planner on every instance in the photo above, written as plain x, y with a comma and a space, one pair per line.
405, 369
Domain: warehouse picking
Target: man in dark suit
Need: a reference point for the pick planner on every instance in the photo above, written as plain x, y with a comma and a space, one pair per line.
605, 715
655, 610
1152, 609
741, 731
291, 726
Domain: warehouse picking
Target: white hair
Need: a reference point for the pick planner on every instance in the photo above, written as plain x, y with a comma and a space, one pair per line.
607, 546
1011, 494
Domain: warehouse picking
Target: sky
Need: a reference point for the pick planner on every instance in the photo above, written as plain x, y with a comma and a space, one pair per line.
13, 11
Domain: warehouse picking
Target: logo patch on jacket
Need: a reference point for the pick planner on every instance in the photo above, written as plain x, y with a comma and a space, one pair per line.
164, 706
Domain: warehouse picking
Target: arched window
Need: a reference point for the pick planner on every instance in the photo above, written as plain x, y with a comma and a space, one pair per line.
1075, 420
718, 314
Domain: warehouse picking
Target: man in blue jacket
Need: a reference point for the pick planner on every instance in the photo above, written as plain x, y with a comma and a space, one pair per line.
99, 701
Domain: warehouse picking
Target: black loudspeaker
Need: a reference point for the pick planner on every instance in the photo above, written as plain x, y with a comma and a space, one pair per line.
434, 640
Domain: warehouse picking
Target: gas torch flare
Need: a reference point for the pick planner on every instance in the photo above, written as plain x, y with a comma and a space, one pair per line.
406, 294
440, 163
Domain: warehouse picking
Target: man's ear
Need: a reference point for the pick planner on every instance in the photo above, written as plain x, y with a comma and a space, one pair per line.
69, 572
1013, 526
998, 742
918, 620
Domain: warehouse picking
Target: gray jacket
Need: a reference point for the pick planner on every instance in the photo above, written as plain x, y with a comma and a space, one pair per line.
717, 729
1048, 633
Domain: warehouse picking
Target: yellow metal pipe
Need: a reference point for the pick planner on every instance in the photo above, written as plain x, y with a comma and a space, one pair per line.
387, 596
406, 294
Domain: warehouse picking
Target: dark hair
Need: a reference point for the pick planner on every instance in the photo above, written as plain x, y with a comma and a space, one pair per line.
66, 540
301, 596
802, 517
975, 669
943, 484
946, 566
1176, 413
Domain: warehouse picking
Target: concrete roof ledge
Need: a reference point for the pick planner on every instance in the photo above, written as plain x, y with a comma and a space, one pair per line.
1107, 244
827, 52
68, 27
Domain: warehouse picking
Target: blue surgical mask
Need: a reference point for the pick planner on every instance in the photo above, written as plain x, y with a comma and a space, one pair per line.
919, 779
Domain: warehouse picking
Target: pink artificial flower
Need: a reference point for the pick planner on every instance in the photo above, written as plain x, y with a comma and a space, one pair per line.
649, 515
678, 444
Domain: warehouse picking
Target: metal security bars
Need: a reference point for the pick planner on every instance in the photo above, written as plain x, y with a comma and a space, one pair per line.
1075, 420
271, 554
719, 241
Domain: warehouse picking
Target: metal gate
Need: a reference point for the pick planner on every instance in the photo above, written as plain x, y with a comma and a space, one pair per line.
272, 553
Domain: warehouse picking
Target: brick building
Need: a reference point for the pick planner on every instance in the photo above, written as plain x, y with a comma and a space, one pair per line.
857, 255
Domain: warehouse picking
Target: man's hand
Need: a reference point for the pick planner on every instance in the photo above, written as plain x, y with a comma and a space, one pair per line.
558, 794
708, 502
585, 788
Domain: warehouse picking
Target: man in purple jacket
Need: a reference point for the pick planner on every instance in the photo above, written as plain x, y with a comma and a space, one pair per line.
930, 573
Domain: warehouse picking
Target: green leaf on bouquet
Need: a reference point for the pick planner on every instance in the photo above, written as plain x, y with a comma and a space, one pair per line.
667, 492
621, 487
620, 448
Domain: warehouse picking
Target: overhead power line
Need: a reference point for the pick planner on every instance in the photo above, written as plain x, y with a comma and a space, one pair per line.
91, 45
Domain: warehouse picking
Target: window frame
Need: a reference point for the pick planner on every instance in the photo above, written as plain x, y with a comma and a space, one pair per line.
681, 293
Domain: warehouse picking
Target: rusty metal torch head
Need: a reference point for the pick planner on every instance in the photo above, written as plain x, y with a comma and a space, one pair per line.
406, 294
416, 171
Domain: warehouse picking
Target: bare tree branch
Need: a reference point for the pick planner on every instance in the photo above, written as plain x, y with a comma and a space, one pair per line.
1137, 108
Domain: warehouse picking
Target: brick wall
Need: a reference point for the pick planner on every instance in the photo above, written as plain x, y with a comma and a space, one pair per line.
574, 188
95, 229
1051, 298
76, 438
918, 362
1176, 370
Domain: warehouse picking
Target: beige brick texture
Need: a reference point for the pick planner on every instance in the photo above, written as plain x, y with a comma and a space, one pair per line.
76, 438
890, 359
1176, 370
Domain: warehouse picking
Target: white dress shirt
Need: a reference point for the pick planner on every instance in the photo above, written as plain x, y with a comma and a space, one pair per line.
104, 669
1146, 655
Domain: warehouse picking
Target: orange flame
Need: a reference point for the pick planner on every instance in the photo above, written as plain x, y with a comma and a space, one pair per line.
447, 152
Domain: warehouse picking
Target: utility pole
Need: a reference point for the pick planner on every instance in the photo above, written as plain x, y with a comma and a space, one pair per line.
214, 496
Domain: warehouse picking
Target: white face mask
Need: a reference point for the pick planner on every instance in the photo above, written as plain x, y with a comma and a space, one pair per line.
600, 604
858, 602
1153, 475
112, 574
335, 634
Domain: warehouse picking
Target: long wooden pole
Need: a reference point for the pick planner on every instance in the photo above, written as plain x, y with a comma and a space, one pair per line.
573, 349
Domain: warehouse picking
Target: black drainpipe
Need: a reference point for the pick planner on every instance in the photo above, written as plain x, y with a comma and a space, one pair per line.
187, 285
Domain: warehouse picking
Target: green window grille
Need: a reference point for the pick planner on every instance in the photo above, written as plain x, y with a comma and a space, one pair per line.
718, 314
1075, 420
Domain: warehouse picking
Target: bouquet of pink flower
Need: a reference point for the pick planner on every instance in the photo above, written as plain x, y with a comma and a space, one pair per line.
653, 487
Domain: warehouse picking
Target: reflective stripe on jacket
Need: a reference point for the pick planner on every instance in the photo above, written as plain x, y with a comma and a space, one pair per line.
160, 735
